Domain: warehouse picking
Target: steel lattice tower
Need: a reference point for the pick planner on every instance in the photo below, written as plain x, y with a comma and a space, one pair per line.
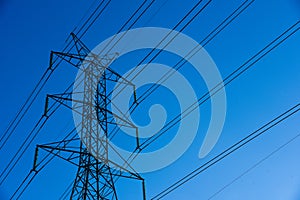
96, 174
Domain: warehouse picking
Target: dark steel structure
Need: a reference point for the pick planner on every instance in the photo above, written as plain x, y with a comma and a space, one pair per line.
97, 174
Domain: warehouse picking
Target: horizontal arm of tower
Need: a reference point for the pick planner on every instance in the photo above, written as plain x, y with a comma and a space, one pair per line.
68, 154
59, 99
73, 59
41, 159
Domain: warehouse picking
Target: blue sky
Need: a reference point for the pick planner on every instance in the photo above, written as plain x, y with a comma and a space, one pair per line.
31, 29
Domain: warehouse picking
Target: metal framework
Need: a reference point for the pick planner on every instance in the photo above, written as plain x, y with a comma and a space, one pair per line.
96, 174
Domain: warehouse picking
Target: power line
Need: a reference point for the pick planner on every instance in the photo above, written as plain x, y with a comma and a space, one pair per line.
94, 169
28, 141
21, 151
95, 19
42, 164
196, 49
235, 74
43, 119
125, 24
208, 38
135, 21
90, 16
32, 135
65, 91
39, 86
161, 50
290, 112
231, 78
256, 165
169, 42
51, 71
120, 30
253, 60
67, 191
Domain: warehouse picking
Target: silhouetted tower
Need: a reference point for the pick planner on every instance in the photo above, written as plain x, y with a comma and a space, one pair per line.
96, 174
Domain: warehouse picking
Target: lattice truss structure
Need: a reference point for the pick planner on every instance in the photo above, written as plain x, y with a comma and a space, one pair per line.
97, 174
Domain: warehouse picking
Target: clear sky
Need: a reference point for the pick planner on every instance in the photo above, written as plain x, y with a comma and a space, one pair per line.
31, 29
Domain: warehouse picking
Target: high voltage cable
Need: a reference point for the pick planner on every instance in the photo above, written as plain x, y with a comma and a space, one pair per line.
14, 160
69, 87
42, 166
95, 19
67, 191
17, 120
90, 17
19, 154
41, 87
161, 50
79, 38
208, 38
89, 10
171, 31
124, 25
229, 151
132, 24
26, 186
29, 139
232, 77
157, 11
37, 89
174, 27
235, 74
256, 165
27, 146
195, 50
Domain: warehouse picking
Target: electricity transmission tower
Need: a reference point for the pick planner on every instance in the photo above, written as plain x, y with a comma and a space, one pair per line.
97, 174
